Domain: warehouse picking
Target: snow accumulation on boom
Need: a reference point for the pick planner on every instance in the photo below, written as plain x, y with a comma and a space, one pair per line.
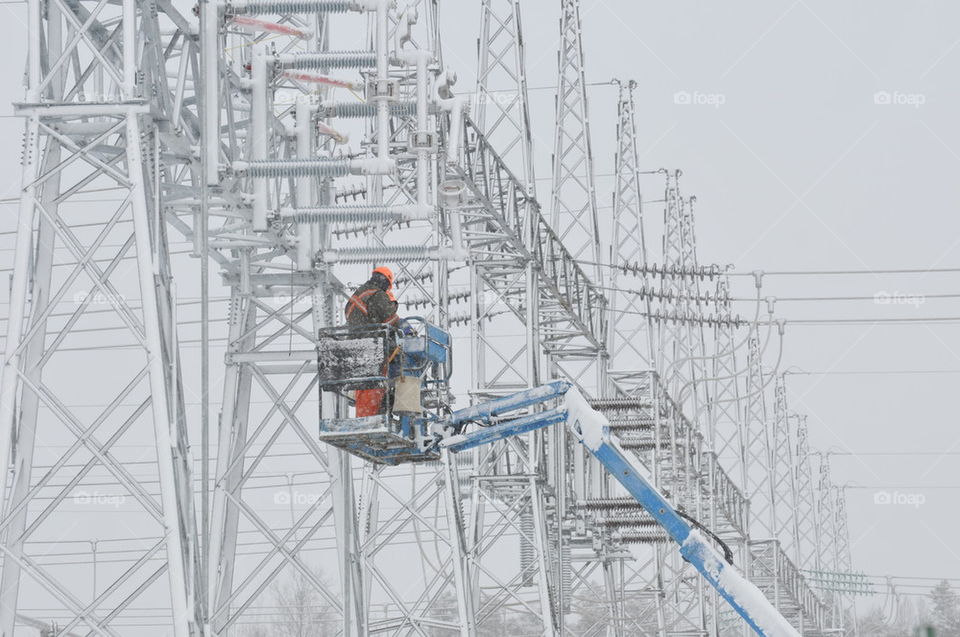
592, 427
739, 588
590, 423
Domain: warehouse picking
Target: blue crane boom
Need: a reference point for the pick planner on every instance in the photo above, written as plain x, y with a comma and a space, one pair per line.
592, 430
419, 427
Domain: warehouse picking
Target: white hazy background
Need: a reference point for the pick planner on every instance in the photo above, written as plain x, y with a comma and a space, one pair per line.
798, 163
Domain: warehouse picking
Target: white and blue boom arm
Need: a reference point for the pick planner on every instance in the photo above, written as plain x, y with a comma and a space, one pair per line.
592, 430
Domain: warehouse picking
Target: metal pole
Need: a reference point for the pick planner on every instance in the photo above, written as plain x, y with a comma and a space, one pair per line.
9, 381
455, 523
29, 406
209, 142
159, 388
93, 549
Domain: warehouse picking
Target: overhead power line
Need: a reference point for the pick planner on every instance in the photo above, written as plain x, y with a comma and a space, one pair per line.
936, 487
847, 272
871, 372
894, 453
630, 267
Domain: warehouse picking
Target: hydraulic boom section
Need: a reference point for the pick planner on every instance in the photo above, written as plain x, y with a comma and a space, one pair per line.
593, 431
417, 424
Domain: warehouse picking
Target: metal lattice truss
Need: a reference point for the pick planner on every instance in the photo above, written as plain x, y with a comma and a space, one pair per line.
574, 202
290, 145
97, 93
502, 108
631, 331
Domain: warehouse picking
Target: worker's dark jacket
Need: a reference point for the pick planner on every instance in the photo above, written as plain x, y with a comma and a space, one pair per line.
370, 304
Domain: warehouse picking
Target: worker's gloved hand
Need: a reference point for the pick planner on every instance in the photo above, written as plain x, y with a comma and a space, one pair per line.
407, 329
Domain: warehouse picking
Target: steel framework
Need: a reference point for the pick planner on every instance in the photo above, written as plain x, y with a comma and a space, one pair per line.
274, 150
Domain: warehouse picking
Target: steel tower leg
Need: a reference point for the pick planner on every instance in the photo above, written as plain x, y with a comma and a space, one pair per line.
631, 345
161, 389
27, 430
233, 421
26, 216
466, 611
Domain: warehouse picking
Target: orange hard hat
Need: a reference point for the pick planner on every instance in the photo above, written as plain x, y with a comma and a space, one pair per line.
385, 271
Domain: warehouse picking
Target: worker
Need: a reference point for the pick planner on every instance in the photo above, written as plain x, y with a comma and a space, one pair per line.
373, 303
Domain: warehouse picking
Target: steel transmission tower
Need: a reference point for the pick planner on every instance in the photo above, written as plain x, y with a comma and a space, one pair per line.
631, 347
574, 207
808, 527
726, 460
760, 487
834, 544
505, 301
502, 104
682, 372
574, 218
784, 484
313, 193
99, 112
291, 165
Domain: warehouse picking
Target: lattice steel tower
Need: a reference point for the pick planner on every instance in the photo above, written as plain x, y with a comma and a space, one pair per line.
201, 192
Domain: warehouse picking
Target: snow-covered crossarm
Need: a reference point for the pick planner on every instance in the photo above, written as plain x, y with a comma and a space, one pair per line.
592, 429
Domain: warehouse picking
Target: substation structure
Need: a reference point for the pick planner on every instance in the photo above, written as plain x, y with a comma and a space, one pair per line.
201, 187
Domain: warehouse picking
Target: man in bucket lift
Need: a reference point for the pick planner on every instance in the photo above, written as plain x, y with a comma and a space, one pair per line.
373, 302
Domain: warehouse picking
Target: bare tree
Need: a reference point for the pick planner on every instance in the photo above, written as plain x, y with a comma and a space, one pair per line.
301, 611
